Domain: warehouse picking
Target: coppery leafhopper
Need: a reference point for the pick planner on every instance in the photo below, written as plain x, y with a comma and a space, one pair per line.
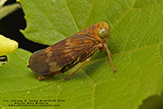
67, 53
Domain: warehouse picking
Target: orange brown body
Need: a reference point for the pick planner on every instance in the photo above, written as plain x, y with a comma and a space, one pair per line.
65, 54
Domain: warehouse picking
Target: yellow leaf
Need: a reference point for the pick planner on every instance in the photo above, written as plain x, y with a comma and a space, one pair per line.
7, 45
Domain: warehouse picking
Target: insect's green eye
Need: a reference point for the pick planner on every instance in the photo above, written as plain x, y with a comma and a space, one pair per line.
102, 32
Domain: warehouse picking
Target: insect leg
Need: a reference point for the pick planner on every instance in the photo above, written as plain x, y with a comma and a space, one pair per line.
42, 77
87, 60
109, 54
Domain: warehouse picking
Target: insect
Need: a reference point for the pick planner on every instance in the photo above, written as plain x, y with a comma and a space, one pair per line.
75, 49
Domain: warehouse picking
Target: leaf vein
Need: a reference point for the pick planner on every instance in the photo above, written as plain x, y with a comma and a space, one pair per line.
73, 20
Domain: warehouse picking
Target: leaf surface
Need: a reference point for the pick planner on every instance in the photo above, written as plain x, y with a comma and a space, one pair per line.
136, 44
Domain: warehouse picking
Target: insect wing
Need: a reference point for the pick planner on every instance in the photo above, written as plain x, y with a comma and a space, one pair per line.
60, 54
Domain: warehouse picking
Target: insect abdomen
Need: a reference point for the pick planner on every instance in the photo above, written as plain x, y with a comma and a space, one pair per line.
70, 65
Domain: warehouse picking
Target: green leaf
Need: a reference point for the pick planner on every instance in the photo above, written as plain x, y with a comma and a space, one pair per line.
136, 44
